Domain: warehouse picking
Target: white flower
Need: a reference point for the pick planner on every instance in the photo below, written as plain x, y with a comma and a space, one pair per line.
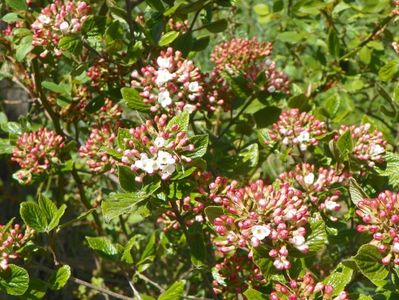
147, 164
163, 63
64, 26
377, 149
309, 179
160, 142
298, 240
304, 136
164, 158
303, 147
189, 108
168, 170
331, 205
44, 19
290, 214
193, 87
396, 247
164, 99
260, 231
163, 76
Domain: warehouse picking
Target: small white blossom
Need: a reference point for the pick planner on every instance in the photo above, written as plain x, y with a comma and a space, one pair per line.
163, 63
331, 205
163, 76
309, 179
64, 26
160, 142
164, 158
304, 136
260, 232
147, 164
396, 247
44, 19
164, 99
189, 108
377, 149
193, 87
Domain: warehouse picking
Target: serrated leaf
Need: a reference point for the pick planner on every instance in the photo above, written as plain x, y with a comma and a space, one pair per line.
14, 281
200, 143
356, 192
252, 294
60, 277
262, 259
103, 246
72, 44
368, 259
388, 71
339, 278
267, 116
392, 169
168, 38
175, 292
134, 100
212, 212
345, 144
181, 120
24, 47
33, 216
317, 237
56, 88
17, 4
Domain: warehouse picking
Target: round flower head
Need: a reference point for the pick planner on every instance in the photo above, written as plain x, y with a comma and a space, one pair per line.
35, 152
55, 21
260, 215
305, 288
296, 129
381, 217
319, 186
173, 84
156, 149
368, 146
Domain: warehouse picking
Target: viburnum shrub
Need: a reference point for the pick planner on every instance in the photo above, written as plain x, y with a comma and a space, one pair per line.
198, 149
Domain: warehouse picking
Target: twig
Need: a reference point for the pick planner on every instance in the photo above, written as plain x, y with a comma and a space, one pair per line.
153, 283
135, 292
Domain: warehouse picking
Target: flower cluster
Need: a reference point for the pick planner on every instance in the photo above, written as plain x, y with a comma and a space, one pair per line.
35, 152
95, 150
295, 128
395, 11
381, 218
234, 274
180, 26
260, 214
103, 72
172, 84
11, 239
57, 20
156, 148
305, 288
368, 146
320, 186
248, 57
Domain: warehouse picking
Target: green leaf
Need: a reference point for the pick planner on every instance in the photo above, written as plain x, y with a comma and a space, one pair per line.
181, 120
289, 37
262, 259
134, 100
56, 88
17, 4
33, 216
392, 169
339, 278
249, 156
37, 289
388, 71
212, 212
168, 38
261, 9
49, 209
14, 281
200, 143
72, 44
56, 217
127, 179
368, 259
217, 26
60, 277
252, 294
318, 236
175, 292
333, 43
5, 146
267, 116
11, 18
24, 47
345, 144
365, 55
103, 246
155, 4
356, 192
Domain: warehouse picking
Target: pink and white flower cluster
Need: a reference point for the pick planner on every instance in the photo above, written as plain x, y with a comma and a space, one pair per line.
381, 219
35, 152
155, 148
11, 239
303, 288
319, 185
260, 214
296, 129
57, 20
173, 84
368, 146
234, 274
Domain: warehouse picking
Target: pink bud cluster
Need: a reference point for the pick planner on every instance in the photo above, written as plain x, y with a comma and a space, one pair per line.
395, 11
173, 84
103, 72
234, 274
155, 148
56, 20
259, 214
180, 26
11, 239
248, 57
320, 186
381, 218
191, 209
368, 146
95, 150
305, 288
295, 128
35, 152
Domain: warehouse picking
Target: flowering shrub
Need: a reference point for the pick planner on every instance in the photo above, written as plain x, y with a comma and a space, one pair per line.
161, 149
